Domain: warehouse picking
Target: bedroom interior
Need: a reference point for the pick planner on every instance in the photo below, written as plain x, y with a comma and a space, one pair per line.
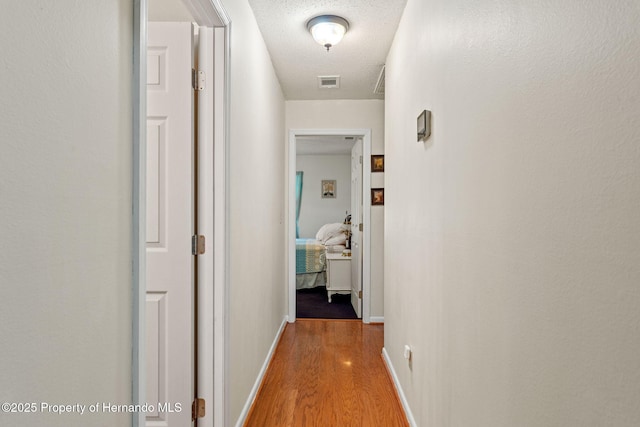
323, 227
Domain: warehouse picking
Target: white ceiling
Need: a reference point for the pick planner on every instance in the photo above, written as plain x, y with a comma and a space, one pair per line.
299, 60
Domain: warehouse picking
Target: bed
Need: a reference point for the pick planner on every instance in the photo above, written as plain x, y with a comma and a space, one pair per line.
310, 264
311, 255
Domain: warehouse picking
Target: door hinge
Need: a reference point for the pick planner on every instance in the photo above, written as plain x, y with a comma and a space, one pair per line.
198, 79
361, 226
197, 409
197, 244
360, 294
360, 159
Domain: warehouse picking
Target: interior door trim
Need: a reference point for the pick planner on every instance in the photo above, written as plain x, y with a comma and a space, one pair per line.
366, 216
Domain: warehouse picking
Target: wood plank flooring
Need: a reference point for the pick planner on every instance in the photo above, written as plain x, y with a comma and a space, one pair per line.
327, 373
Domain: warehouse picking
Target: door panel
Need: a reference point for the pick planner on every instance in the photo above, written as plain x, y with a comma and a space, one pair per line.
156, 191
170, 213
356, 220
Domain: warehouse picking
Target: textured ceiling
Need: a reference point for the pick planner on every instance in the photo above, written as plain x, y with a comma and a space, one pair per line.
357, 59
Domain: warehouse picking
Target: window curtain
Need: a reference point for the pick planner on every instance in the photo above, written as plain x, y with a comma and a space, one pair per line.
298, 200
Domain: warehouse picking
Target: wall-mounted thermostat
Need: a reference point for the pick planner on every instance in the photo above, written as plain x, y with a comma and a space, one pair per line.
424, 125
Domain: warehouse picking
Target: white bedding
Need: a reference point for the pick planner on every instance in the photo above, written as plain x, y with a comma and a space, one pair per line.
328, 231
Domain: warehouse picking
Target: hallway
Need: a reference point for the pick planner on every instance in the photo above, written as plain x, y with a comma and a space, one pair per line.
327, 373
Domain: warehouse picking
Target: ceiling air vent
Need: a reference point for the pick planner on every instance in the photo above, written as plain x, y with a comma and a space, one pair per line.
328, 82
379, 89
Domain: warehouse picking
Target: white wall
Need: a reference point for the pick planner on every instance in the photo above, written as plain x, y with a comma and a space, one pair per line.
168, 11
512, 264
314, 210
257, 197
352, 114
65, 183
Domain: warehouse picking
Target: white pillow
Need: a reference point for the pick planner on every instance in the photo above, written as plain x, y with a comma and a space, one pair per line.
328, 231
340, 239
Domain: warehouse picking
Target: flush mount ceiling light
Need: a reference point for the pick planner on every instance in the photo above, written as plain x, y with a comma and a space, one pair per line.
327, 30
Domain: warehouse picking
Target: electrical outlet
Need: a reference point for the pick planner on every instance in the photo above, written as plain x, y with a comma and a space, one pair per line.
407, 352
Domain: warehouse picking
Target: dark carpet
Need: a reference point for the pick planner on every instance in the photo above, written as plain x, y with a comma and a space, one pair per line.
313, 303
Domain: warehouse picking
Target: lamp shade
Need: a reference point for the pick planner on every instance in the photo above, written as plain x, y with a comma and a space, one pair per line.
328, 30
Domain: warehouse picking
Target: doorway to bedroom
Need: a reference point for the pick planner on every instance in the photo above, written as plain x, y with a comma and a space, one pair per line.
328, 249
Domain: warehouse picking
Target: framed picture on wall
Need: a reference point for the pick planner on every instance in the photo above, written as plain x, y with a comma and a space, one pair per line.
329, 189
377, 196
377, 163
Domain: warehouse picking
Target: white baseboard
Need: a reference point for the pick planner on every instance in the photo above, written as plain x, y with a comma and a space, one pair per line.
396, 383
376, 319
263, 370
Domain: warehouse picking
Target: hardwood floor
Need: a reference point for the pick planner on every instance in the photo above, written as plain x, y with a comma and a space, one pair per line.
327, 373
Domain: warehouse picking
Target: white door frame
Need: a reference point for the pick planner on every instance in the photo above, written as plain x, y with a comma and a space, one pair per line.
208, 13
366, 217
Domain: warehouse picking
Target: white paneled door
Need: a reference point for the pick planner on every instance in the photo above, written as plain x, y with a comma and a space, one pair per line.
356, 222
170, 213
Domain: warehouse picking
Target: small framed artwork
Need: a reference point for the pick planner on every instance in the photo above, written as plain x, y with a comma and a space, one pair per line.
329, 189
377, 163
377, 196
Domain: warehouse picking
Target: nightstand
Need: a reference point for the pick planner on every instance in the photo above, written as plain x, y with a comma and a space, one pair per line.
338, 274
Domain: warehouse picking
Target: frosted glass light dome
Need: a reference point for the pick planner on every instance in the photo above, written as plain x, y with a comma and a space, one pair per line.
328, 30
